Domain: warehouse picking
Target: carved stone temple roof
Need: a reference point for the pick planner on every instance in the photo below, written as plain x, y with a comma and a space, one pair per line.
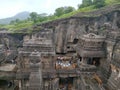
37, 41
8, 67
92, 37
91, 45
39, 44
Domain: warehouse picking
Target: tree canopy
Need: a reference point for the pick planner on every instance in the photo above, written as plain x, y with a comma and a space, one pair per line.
63, 10
96, 3
34, 16
86, 3
99, 3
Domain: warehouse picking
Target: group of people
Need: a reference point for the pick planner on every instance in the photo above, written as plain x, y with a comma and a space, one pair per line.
62, 63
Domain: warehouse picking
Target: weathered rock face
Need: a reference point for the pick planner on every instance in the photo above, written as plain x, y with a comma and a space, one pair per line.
103, 23
114, 79
11, 41
68, 30
61, 40
61, 35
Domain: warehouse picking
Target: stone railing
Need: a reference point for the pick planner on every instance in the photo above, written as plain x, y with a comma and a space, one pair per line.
7, 75
88, 68
61, 71
22, 75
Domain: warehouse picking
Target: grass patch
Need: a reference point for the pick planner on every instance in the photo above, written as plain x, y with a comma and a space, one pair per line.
26, 26
85, 9
110, 2
18, 27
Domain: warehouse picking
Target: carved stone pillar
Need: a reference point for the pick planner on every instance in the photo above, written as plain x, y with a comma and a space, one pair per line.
20, 85
35, 79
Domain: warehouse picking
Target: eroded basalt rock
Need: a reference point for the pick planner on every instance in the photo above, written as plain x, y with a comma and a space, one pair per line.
56, 41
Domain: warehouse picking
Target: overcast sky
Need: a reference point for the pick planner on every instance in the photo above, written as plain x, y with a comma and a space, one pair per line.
10, 8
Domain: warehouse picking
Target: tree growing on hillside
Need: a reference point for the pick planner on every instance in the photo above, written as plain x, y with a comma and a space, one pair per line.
42, 17
12, 22
63, 10
34, 16
68, 9
99, 3
85, 3
59, 11
15, 21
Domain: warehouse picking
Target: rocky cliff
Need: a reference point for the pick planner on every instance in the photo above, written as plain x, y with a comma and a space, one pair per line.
66, 32
68, 29
105, 22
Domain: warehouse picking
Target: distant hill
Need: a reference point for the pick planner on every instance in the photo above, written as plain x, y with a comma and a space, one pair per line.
21, 16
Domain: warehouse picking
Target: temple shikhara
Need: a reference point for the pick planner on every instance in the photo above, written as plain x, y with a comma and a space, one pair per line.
77, 53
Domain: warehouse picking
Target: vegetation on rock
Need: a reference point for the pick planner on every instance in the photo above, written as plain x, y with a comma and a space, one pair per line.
61, 12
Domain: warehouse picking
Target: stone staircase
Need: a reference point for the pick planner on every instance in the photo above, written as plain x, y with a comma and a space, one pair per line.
104, 74
113, 83
35, 81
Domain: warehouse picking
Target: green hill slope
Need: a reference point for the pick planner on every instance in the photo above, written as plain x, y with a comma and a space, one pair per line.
89, 11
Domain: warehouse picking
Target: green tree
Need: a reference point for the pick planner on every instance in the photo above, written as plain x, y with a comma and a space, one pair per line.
12, 22
17, 20
68, 9
63, 10
43, 17
34, 16
59, 11
85, 3
99, 3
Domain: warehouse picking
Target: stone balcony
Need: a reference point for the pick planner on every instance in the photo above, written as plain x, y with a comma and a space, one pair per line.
7, 75
8, 71
74, 72
22, 75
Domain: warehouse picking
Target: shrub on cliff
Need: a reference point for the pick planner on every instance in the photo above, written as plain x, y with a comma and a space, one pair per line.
99, 3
